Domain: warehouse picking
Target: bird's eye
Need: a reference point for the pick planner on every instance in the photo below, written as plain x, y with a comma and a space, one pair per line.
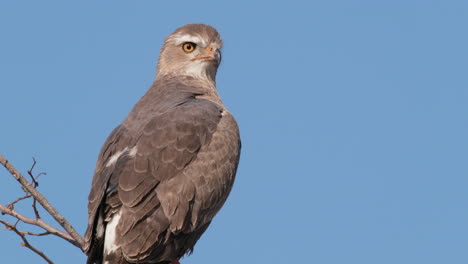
189, 47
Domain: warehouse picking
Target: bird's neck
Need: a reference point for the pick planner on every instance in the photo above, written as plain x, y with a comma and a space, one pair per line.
186, 84
174, 81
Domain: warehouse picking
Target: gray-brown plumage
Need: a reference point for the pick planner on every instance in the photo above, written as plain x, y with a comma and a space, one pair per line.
164, 173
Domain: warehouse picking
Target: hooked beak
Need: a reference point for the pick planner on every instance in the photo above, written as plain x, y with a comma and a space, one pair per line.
210, 54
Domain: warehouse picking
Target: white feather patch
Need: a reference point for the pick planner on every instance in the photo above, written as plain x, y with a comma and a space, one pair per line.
100, 227
196, 69
179, 39
133, 152
113, 159
109, 240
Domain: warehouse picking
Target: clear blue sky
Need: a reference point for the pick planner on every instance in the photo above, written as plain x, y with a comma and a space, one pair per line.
353, 115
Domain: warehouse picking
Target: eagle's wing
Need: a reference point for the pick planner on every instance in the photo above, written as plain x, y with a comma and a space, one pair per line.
168, 183
168, 144
94, 236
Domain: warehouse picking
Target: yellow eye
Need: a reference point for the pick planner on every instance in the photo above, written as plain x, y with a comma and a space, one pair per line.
189, 47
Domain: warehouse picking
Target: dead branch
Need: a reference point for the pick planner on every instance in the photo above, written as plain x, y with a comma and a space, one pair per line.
40, 223
43, 201
31, 192
25, 243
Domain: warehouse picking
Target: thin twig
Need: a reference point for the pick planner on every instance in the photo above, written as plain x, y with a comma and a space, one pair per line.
34, 182
25, 240
36, 234
39, 175
12, 204
36, 212
75, 238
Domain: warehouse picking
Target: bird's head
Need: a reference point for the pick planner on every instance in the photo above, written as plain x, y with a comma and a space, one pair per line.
193, 50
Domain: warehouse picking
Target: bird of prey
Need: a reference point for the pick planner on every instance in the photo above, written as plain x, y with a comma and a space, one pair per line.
166, 170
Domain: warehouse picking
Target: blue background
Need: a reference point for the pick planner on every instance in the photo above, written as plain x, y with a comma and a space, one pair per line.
353, 117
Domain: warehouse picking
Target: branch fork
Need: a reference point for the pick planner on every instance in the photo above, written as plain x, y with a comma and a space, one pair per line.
30, 190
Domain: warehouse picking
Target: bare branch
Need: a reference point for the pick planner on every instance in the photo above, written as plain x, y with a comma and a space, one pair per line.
40, 223
25, 240
72, 236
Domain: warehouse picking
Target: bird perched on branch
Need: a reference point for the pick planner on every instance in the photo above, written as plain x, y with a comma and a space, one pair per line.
164, 173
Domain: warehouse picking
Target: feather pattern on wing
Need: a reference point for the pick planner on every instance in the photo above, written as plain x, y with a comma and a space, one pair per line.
176, 181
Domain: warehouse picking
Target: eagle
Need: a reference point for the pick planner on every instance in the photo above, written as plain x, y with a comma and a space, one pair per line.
167, 169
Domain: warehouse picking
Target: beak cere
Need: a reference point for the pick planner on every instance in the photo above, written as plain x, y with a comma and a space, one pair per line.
210, 53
